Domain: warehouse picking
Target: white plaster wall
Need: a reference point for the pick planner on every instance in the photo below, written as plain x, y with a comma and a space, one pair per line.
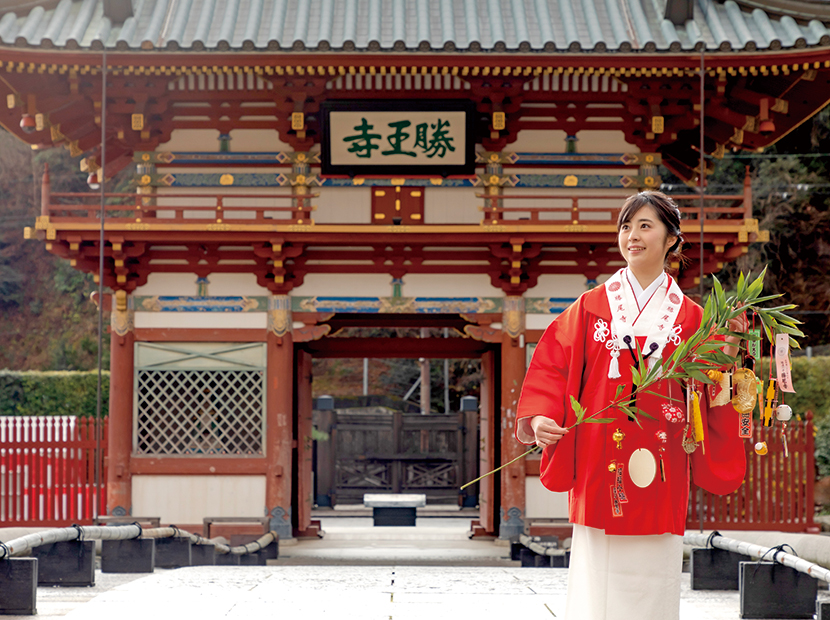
452, 205
201, 320
539, 321
187, 140
439, 285
588, 141
165, 284
538, 141
242, 140
189, 499
541, 503
339, 285
603, 142
343, 205
230, 284
564, 285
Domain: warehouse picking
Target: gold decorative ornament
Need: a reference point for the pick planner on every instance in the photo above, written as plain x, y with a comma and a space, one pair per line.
761, 448
612, 466
744, 382
618, 436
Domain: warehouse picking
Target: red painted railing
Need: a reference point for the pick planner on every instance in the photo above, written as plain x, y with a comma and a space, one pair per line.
777, 492
47, 471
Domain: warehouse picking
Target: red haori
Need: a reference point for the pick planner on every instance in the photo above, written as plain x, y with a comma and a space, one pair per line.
568, 362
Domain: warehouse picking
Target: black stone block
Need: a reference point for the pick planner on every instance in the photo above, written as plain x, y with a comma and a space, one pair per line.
227, 559
272, 551
172, 552
822, 610
69, 563
527, 557
252, 559
136, 555
542, 561
715, 569
18, 587
560, 561
394, 516
772, 590
202, 555
515, 550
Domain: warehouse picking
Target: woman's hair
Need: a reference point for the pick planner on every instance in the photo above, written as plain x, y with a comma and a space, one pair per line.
667, 211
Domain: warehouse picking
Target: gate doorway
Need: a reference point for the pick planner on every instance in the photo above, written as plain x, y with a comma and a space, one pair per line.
393, 451
396, 452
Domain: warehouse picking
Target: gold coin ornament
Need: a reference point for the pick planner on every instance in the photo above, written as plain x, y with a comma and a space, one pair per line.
761, 448
618, 436
744, 381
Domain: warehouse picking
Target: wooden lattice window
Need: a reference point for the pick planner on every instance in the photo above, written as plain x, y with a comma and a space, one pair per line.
199, 399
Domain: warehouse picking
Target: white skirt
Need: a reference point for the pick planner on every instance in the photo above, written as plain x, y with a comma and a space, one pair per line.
624, 577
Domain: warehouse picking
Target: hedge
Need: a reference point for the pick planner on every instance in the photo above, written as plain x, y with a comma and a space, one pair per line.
74, 392
52, 393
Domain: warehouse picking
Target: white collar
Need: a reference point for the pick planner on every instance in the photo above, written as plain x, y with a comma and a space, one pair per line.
640, 294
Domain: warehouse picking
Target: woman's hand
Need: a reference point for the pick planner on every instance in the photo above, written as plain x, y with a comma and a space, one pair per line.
738, 324
546, 431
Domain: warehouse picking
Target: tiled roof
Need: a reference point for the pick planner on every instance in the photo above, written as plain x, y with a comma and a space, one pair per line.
416, 25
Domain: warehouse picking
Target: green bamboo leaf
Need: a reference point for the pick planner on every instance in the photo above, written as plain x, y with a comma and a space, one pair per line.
620, 389
679, 400
699, 376
640, 412
754, 289
741, 285
794, 343
792, 331
600, 420
719, 296
578, 409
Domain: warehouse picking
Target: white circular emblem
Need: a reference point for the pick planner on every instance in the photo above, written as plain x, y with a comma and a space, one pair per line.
642, 467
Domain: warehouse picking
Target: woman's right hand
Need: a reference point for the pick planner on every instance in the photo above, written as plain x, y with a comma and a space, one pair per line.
546, 431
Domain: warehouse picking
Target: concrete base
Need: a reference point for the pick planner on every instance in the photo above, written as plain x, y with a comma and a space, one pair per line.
227, 559
772, 590
18, 587
715, 569
394, 516
173, 552
202, 555
137, 555
70, 563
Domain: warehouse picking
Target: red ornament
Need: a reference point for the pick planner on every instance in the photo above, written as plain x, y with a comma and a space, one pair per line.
614, 286
674, 298
673, 413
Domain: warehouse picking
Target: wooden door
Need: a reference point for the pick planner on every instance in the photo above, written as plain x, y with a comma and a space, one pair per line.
391, 203
305, 444
487, 448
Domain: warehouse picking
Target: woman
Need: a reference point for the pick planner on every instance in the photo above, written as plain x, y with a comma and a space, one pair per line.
628, 483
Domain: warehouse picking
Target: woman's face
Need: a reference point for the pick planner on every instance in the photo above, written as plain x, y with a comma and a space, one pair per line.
644, 239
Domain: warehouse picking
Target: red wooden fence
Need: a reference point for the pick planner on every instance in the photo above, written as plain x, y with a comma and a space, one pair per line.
47, 471
777, 492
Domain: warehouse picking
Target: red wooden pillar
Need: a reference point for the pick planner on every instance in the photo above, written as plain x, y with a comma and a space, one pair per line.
305, 447
512, 510
279, 415
120, 431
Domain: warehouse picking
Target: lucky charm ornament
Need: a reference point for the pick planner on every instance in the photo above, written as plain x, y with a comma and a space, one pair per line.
784, 413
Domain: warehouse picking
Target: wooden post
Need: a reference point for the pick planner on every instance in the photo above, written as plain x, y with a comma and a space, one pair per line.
305, 490
512, 510
487, 444
120, 431
278, 415
45, 191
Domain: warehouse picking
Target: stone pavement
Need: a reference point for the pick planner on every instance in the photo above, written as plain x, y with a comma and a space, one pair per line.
428, 572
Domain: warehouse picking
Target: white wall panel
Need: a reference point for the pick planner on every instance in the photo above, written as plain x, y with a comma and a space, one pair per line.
339, 285
565, 285
189, 499
452, 205
343, 205
541, 503
201, 320
430, 285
